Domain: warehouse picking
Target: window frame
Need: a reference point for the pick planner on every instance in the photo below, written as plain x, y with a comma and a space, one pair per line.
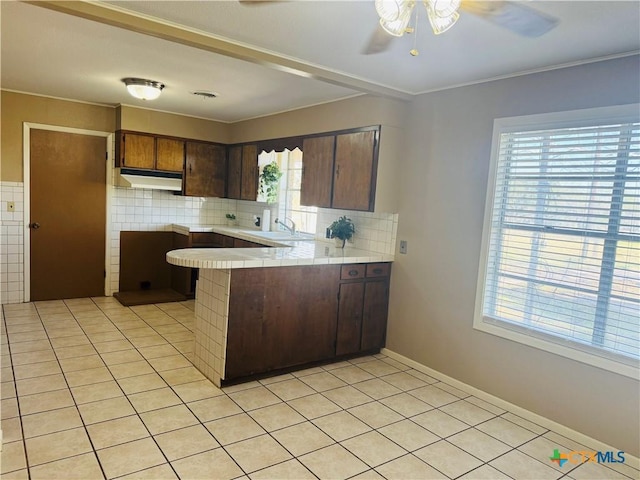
534, 338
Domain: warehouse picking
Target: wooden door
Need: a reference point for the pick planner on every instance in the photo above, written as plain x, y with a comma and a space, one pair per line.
374, 315
169, 154
349, 318
353, 177
249, 188
205, 170
67, 215
317, 171
137, 151
234, 173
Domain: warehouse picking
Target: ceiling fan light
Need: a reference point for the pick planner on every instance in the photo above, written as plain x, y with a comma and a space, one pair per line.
443, 8
398, 27
143, 89
391, 10
441, 24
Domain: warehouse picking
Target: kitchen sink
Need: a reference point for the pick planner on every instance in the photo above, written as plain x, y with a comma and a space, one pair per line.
284, 236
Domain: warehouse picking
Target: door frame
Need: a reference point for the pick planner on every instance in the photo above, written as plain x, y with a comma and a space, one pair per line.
26, 164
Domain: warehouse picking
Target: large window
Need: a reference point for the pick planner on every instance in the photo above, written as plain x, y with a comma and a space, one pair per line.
560, 266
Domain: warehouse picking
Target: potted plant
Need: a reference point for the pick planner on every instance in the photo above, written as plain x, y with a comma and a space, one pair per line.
269, 182
231, 219
342, 229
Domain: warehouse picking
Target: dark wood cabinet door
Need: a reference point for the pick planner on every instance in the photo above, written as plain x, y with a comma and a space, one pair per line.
169, 154
280, 317
137, 151
205, 170
234, 173
353, 178
317, 171
374, 314
349, 318
249, 187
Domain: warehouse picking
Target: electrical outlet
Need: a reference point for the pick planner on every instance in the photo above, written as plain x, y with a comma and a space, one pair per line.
403, 246
11, 206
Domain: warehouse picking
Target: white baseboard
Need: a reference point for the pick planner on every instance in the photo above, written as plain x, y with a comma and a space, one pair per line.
526, 414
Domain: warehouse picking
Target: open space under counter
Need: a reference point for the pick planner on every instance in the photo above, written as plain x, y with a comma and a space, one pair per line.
263, 310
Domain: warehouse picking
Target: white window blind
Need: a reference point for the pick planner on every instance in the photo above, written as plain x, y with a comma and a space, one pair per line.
563, 256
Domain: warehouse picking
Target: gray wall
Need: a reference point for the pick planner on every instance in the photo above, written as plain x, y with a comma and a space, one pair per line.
444, 181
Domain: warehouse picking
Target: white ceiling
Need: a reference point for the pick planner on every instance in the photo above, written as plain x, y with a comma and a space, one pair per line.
51, 53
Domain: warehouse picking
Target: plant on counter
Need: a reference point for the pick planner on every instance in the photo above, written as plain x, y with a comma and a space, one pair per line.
231, 219
342, 229
269, 182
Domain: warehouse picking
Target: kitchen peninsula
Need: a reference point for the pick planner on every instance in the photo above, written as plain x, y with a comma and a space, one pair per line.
285, 305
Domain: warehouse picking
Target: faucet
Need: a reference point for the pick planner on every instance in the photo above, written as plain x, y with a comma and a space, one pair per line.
291, 229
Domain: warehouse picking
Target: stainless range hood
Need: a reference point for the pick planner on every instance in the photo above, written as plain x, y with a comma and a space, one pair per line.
149, 179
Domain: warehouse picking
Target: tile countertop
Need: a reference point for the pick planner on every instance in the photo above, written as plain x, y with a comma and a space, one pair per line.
280, 254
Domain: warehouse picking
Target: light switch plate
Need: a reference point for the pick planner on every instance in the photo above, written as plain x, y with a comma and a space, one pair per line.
403, 246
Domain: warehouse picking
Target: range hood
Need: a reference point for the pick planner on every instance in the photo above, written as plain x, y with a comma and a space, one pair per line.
149, 179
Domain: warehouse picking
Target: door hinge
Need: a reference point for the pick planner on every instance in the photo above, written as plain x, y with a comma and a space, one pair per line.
106, 155
105, 273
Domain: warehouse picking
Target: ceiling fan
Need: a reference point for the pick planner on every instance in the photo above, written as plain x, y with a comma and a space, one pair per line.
395, 17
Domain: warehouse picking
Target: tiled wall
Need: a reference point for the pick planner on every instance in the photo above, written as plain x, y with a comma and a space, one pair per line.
155, 210
11, 243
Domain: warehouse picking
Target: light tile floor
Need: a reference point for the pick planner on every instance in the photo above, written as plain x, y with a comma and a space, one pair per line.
94, 390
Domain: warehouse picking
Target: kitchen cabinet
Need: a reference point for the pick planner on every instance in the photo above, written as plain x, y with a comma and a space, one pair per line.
242, 178
317, 171
205, 170
280, 317
340, 169
363, 305
149, 152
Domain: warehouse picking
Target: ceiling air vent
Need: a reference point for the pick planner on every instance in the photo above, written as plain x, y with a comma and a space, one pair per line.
205, 94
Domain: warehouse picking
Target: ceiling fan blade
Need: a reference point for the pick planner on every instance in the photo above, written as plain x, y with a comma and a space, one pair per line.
514, 16
378, 42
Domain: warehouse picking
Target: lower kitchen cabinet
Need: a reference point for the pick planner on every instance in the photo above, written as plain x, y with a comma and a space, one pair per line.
364, 301
282, 317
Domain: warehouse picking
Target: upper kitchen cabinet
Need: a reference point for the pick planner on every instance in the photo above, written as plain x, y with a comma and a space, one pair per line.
205, 170
340, 169
317, 171
149, 152
242, 177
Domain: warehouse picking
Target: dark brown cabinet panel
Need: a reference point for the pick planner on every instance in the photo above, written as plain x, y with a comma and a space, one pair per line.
354, 178
234, 173
239, 243
340, 169
374, 314
364, 302
317, 171
169, 154
205, 170
249, 190
135, 150
349, 318
280, 317
242, 177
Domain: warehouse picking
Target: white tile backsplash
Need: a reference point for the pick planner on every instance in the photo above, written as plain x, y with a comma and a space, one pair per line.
11, 243
156, 210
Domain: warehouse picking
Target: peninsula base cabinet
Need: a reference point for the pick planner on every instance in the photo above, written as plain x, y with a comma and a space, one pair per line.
284, 317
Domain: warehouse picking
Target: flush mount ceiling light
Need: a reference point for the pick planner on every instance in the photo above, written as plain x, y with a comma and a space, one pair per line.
143, 89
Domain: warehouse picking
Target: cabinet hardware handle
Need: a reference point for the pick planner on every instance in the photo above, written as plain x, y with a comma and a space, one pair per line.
338, 171
377, 270
353, 273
